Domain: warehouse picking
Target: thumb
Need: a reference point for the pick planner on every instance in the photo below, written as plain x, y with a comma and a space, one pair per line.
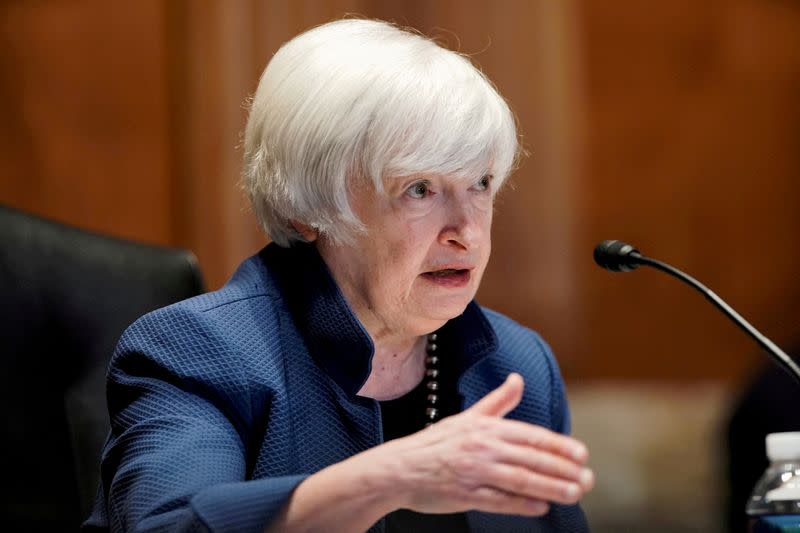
501, 400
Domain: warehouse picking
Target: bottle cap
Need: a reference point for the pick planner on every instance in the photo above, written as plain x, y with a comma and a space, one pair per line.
783, 446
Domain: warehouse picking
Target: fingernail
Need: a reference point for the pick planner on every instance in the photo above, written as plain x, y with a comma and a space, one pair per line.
572, 491
579, 453
586, 477
540, 507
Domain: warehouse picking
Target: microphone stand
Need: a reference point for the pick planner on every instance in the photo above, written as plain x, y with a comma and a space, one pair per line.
777, 354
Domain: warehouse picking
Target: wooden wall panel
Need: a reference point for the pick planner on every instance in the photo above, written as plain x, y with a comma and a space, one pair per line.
672, 124
84, 133
218, 51
693, 124
210, 59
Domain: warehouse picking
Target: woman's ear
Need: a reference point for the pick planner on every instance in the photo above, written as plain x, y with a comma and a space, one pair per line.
309, 233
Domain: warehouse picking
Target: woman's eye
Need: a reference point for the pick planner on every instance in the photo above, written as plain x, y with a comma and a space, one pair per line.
484, 183
418, 190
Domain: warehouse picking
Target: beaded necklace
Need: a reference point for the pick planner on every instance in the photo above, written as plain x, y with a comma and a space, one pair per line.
432, 383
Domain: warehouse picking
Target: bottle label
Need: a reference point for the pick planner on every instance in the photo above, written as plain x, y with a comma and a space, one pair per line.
789, 491
776, 524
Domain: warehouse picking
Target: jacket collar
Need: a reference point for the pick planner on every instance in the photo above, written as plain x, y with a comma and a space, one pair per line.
334, 336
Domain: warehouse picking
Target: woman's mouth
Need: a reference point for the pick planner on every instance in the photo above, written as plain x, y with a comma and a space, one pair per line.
448, 277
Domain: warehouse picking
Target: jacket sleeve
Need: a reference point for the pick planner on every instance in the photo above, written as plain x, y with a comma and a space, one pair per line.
182, 416
544, 403
560, 517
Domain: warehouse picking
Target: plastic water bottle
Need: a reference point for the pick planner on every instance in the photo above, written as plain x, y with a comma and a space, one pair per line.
774, 505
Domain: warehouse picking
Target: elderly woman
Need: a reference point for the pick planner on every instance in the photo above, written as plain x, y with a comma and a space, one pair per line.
344, 379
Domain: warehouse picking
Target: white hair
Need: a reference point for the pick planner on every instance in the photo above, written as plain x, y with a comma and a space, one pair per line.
365, 99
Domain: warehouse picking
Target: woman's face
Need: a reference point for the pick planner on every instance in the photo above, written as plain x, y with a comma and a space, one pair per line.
422, 258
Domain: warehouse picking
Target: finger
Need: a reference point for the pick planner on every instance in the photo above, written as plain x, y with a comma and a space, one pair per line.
501, 400
543, 462
492, 500
522, 482
540, 438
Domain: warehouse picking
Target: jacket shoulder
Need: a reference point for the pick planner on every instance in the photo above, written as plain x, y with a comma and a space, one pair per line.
221, 345
522, 350
245, 309
519, 343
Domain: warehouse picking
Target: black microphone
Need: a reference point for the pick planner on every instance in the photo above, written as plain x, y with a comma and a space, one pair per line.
616, 256
619, 256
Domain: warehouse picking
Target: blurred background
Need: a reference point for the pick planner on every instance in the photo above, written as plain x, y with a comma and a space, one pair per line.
672, 124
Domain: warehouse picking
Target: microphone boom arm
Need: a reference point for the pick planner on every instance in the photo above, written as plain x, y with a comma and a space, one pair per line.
777, 354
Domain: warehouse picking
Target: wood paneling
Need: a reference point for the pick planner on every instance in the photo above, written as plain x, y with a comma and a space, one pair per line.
84, 134
693, 124
211, 57
672, 124
218, 50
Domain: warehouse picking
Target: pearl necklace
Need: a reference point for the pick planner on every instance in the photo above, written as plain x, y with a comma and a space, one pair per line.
431, 375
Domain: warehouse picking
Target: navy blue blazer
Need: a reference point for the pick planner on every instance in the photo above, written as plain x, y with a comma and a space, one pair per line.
222, 404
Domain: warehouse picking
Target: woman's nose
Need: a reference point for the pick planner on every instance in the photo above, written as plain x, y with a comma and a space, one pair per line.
464, 226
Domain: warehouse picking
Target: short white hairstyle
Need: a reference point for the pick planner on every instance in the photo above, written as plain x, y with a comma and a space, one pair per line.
365, 99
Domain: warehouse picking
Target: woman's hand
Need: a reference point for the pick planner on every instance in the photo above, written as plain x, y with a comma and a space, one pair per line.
479, 460
473, 460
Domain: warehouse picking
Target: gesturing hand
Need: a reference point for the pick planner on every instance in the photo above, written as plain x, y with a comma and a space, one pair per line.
479, 460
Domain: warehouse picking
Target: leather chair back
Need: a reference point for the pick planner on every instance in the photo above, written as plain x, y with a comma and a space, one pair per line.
66, 295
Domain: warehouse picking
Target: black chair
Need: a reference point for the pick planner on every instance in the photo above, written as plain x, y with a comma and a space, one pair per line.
66, 295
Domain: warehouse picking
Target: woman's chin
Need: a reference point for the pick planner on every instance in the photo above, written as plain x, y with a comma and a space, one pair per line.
441, 311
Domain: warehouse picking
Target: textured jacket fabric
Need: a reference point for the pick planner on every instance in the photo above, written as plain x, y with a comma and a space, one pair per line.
222, 404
